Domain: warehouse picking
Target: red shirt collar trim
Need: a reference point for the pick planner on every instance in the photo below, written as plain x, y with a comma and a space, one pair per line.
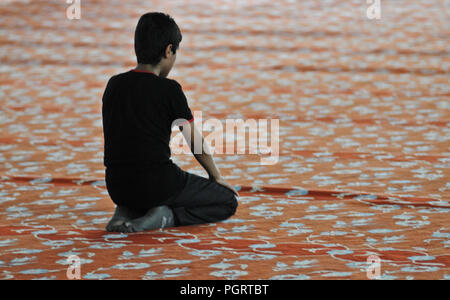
142, 71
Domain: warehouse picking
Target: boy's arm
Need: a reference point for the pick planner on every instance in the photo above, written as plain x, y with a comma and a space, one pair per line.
202, 154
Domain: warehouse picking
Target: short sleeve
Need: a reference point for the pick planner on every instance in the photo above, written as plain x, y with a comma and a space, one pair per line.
180, 112
108, 89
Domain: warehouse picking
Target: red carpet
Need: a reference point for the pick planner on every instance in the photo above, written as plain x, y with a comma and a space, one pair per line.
364, 139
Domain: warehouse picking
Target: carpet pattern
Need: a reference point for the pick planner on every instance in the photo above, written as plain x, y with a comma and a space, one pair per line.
364, 110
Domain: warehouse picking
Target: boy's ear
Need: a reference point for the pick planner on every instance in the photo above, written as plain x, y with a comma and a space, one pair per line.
168, 50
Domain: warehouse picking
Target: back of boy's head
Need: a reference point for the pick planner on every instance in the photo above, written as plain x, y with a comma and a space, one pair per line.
154, 32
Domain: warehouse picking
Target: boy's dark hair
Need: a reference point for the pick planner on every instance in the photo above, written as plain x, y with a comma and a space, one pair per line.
154, 32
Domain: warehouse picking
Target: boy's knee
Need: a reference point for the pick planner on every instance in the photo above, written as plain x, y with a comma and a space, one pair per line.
232, 205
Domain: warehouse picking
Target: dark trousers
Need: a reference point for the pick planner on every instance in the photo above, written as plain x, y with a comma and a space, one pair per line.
202, 201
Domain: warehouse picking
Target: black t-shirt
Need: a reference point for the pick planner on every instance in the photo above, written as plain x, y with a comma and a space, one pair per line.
139, 109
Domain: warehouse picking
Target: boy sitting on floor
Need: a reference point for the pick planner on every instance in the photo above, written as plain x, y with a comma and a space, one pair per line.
139, 109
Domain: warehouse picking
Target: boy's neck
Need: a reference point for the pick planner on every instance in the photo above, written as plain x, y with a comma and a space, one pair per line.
149, 68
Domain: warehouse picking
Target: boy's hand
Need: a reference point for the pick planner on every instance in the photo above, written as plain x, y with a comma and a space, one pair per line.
223, 182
